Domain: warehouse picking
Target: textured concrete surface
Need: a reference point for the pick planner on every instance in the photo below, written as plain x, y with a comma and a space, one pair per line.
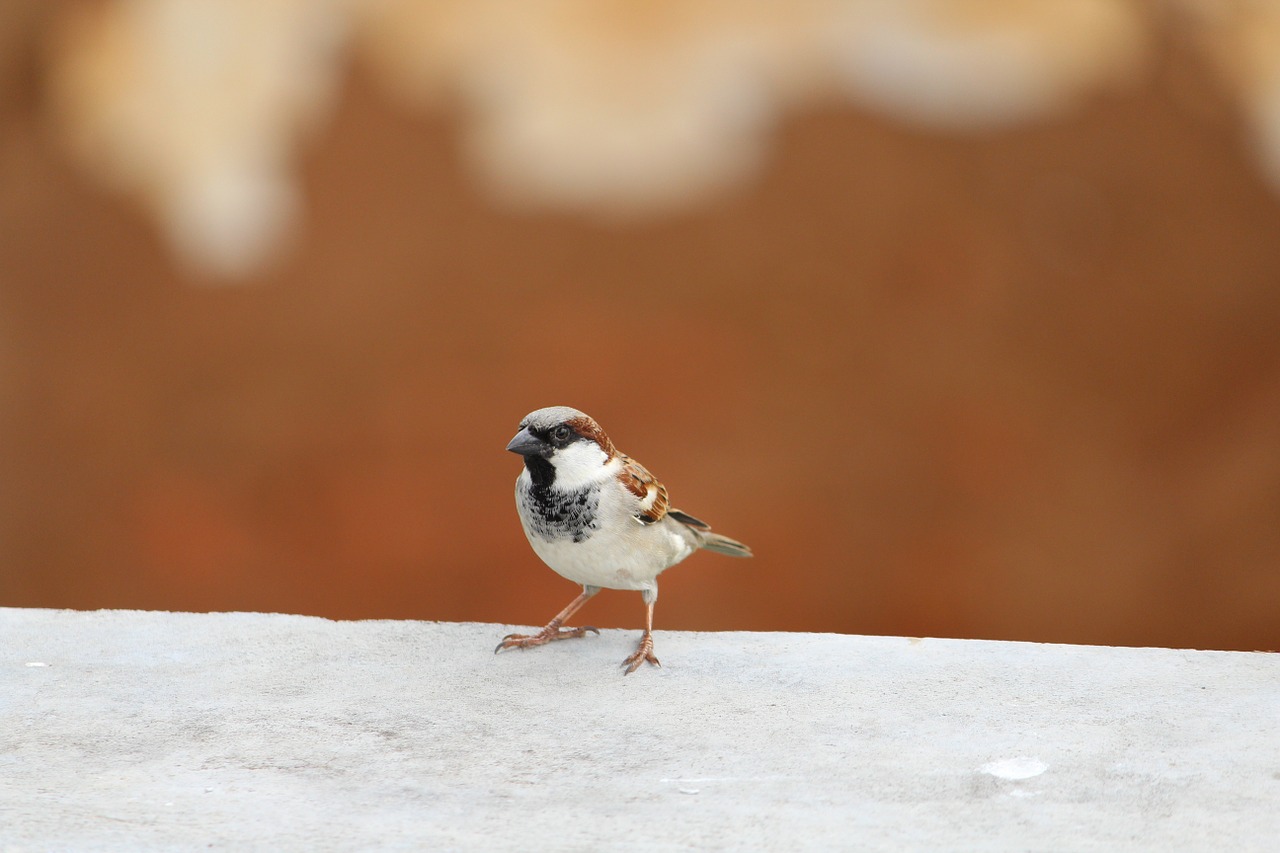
242, 731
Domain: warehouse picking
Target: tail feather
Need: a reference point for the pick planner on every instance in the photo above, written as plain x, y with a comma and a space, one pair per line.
724, 545
710, 541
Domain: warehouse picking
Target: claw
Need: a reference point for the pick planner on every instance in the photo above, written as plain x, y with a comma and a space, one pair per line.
546, 635
552, 631
642, 654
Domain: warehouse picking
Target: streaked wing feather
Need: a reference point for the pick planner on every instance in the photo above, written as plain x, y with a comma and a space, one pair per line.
651, 494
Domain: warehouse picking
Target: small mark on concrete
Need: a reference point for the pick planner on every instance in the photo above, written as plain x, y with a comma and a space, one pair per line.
36, 663
1014, 768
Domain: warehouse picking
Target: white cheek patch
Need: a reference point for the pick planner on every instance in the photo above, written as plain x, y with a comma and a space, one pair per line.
579, 464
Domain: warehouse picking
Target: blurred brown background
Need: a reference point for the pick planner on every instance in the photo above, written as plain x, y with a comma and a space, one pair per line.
1010, 377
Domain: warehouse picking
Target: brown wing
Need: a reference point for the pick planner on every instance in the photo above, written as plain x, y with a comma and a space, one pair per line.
651, 494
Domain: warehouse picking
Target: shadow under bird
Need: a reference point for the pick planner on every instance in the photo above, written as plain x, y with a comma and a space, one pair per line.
599, 518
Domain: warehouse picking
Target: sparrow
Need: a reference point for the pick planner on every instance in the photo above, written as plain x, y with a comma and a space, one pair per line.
599, 518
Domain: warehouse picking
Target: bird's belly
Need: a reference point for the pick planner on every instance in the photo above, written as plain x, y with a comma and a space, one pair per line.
630, 559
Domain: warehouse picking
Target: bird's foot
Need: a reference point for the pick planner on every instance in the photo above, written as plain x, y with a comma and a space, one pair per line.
546, 635
643, 652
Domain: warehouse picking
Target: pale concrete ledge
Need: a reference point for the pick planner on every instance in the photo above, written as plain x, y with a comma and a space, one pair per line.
146, 731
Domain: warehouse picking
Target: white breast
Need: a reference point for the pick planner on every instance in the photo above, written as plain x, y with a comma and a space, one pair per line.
621, 553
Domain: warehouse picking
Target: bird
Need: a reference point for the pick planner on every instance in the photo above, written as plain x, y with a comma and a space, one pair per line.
598, 518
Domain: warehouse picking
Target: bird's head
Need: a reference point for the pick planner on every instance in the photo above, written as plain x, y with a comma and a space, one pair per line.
563, 446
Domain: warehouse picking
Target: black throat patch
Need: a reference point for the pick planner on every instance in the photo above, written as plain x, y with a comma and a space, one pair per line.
554, 515
542, 472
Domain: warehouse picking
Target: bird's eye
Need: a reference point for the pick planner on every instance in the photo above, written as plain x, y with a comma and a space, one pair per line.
560, 434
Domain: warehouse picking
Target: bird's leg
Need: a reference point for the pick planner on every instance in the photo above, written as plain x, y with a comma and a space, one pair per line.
644, 651
553, 630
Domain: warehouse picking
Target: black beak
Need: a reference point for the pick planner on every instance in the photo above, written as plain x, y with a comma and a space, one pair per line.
527, 444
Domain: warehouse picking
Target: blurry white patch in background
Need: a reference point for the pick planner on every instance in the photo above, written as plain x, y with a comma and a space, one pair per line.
617, 109
197, 107
979, 64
